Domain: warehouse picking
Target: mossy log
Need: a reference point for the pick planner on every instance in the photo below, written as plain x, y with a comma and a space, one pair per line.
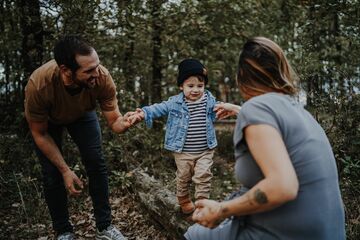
160, 203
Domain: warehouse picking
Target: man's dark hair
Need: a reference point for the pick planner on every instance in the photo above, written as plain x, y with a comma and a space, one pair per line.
68, 47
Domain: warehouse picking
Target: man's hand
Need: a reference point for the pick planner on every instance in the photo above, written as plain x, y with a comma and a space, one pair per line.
71, 181
119, 123
49, 148
135, 117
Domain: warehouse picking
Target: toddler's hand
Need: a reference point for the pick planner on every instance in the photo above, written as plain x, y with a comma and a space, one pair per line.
135, 117
225, 110
207, 213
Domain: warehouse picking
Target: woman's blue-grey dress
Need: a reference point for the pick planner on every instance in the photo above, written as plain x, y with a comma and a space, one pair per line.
317, 213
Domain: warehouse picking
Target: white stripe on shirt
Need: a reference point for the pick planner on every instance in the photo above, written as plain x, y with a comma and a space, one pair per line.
196, 141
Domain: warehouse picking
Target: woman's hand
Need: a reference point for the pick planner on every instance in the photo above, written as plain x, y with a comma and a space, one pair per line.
208, 213
225, 110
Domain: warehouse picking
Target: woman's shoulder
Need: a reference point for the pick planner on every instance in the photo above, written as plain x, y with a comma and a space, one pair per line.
266, 107
263, 109
269, 97
268, 101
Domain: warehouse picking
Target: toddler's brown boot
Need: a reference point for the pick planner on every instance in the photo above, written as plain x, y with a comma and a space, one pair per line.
186, 205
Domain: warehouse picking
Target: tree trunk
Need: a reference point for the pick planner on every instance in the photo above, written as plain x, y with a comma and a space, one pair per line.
125, 15
160, 204
335, 31
156, 50
310, 91
32, 43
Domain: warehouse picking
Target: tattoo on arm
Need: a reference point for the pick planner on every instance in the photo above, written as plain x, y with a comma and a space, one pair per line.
221, 213
224, 210
260, 197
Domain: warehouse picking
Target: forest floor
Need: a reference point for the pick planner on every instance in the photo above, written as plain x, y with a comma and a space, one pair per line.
24, 214
127, 216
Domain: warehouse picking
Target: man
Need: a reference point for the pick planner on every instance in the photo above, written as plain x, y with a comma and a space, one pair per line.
60, 94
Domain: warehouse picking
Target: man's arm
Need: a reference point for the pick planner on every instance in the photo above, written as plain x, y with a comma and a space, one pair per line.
48, 147
119, 123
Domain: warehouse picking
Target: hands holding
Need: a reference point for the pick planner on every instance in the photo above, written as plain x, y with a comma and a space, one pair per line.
225, 110
208, 213
133, 118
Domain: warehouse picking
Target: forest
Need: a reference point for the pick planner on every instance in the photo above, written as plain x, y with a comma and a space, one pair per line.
141, 43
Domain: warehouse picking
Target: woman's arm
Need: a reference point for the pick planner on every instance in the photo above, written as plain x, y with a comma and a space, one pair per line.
225, 110
280, 183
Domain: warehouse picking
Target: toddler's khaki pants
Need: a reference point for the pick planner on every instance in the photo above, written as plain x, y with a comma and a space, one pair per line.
194, 167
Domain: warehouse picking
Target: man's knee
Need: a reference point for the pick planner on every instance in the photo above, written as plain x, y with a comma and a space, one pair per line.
95, 165
52, 179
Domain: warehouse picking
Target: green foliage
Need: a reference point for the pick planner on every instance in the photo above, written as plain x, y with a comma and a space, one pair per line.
341, 120
225, 148
320, 38
20, 192
351, 168
122, 180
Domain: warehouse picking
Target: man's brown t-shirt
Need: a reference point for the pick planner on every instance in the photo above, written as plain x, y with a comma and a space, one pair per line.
46, 98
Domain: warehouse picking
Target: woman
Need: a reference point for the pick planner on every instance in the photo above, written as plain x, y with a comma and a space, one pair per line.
283, 159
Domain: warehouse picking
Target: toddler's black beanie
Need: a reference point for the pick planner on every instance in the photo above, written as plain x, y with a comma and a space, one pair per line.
191, 67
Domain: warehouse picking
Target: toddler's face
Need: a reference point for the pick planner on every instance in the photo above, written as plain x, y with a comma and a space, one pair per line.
193, 88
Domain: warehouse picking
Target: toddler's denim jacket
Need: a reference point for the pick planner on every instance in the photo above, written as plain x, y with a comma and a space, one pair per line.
178, 120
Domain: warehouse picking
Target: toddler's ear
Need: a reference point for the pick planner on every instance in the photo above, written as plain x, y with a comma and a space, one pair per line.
181, 87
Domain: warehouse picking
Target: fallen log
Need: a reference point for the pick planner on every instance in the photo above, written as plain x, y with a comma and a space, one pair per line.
160, 203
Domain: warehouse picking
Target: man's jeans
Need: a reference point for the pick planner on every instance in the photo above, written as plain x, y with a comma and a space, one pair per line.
86, 133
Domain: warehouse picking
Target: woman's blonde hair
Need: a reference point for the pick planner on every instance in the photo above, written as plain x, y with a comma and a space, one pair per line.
264, 68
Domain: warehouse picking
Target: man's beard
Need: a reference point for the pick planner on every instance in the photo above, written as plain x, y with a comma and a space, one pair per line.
88, 84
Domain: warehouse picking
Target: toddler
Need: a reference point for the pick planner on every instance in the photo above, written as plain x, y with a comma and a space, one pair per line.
190, 132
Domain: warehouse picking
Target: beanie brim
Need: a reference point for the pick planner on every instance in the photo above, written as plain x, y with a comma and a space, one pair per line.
192, 72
